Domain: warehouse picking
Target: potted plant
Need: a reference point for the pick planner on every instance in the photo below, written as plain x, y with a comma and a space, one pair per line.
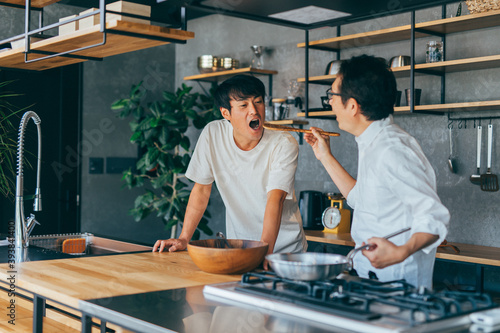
159, 128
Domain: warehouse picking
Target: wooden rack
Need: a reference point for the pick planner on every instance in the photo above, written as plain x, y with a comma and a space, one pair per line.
438, 27
115, 44
443, 26
94, 43
222, 75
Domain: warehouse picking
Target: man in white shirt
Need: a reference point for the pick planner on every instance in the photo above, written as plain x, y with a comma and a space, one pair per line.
254, 170
395, 186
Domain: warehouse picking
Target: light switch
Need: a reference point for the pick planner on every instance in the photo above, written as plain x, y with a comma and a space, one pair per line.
96, 165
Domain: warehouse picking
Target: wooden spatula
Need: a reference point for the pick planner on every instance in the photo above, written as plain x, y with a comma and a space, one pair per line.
489, 181
292, 129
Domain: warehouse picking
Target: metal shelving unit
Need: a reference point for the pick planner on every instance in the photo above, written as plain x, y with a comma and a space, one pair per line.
410, 32
95, 43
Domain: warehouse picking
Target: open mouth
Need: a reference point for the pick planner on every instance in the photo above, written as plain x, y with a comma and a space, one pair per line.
254, 124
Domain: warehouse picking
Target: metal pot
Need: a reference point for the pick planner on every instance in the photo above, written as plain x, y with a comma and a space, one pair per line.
333, 67
399, 61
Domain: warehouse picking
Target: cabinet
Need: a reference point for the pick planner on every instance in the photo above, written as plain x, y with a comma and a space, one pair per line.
438, 27
94, 43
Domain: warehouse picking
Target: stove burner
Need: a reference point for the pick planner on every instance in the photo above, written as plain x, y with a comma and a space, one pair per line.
366, 299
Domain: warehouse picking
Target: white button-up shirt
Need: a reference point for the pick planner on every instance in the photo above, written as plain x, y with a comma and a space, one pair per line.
396, 188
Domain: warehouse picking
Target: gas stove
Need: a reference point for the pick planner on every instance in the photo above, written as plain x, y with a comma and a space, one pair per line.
353, 303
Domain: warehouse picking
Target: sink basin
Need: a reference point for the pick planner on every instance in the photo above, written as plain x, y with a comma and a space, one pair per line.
50, 247
89, 244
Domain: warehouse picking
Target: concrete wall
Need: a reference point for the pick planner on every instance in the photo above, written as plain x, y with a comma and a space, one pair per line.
474, 213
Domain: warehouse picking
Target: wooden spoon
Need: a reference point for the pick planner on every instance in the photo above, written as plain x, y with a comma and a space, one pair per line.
292, 129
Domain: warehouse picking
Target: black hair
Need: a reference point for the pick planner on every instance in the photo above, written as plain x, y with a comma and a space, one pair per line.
371, 83
238, 87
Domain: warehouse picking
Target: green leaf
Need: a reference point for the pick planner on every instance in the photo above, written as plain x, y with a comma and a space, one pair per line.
164, 135
203, 226
154, 122
170, 223
169, 96
135, 137
185, 143
120, 104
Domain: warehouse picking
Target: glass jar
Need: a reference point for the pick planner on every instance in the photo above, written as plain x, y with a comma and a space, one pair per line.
434, 51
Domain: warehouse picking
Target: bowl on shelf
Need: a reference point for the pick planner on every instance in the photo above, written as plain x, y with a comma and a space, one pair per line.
210, 63
237, 256
399, 61
227, 63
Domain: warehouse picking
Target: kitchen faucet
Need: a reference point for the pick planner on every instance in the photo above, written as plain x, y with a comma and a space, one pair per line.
23, 227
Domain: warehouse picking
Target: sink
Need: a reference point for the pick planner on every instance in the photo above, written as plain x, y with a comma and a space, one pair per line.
49, 247
89, 244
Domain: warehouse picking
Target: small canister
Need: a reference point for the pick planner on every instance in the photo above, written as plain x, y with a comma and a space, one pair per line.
434, 51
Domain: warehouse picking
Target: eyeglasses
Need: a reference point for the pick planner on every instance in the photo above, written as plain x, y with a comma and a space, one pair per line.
330, 94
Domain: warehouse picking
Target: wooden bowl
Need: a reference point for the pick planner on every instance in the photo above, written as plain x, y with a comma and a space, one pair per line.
213, 256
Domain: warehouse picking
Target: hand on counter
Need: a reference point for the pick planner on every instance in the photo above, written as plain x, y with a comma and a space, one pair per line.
171, 245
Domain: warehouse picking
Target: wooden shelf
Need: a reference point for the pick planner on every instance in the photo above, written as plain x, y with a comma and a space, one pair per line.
34, 3
401, 33
222, 75
450, 66
320, 79
454, 107
115, 44
449, 107
477, 254
461, 65
327, 113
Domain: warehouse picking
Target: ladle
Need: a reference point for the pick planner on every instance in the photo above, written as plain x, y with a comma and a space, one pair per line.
476, 179
224, 240
450, 160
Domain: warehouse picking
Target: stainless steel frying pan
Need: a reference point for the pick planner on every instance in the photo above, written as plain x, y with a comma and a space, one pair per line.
310, 266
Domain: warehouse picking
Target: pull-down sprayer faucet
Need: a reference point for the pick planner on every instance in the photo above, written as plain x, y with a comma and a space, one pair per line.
23, 227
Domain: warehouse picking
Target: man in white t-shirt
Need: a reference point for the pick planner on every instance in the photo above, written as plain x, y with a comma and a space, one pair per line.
395, 186
253, 168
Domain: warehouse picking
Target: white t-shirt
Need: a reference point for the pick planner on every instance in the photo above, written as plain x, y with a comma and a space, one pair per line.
244, 178
396, 188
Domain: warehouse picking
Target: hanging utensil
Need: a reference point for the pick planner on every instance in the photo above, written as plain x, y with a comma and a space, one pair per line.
451, 165
489, 181
476, 178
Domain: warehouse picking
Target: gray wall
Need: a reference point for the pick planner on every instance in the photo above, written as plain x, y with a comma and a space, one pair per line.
474, 213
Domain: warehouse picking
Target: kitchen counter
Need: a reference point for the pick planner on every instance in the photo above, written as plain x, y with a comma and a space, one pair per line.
66, 282
475, 254
144, 292
70, 280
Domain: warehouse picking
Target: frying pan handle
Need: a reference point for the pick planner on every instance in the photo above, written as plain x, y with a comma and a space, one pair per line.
353, 252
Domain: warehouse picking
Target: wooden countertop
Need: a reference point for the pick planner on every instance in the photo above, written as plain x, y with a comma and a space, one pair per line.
70, 280
476, 254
